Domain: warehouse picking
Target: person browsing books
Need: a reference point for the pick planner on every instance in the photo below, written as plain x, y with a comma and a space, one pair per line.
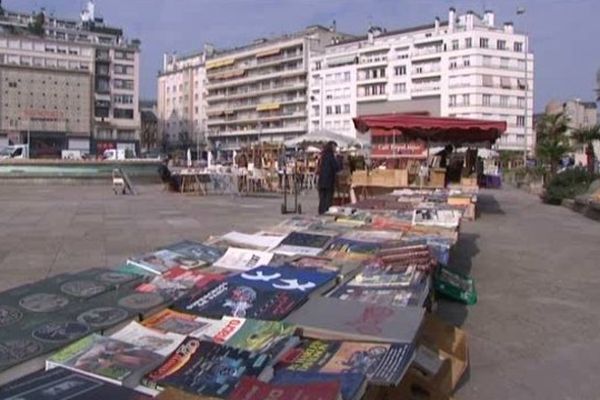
328, 168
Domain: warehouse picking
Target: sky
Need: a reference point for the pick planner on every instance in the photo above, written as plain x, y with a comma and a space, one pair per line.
564, 34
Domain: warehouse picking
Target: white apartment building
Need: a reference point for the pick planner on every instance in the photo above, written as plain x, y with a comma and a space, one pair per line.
258, 92
181, 107
68, 84
466, 67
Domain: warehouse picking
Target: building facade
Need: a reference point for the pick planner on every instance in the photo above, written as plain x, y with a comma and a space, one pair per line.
181, 106
465, 67
258, 92
67, 84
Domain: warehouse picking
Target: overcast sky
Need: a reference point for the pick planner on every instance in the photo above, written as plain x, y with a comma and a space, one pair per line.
565, 34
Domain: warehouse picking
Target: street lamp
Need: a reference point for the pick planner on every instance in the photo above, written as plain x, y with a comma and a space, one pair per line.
521, 11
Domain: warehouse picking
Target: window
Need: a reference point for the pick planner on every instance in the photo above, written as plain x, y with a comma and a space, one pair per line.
487, 80
124, 84
521, 102
466, 61
452, 100
346, 108
328, 110
521, 64
400, 87
338, 109
503, 101
466, 100
123, 69
453, 63
400, 70
347, 93
505, 82
504, 62
347, 76
487, 61
123, 99
520, 120
455, 45
468, 43
318, 65
501, 44
518, 46
484, 43
487, 100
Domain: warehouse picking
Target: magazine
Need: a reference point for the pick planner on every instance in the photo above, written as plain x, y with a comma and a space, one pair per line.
243, 259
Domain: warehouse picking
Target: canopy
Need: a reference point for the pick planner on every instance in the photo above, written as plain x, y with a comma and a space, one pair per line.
436, 129
481, 152
323, 136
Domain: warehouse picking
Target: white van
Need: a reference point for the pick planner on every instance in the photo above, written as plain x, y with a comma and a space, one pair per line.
19, 151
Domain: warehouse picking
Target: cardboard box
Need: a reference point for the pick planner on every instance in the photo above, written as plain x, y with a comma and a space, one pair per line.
472, 181
450, 342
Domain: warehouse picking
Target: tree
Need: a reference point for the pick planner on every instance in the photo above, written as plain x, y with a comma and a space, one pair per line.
586, 136
37, 27
552, 140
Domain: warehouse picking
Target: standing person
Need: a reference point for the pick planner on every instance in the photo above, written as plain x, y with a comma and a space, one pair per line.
328, 168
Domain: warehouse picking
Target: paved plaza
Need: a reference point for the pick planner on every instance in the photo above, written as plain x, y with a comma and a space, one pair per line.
535, 333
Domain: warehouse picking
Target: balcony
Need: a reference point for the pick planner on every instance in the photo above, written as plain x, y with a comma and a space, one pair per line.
416, 88
256, 93
427, 52
260, 131
244, 80
427, 70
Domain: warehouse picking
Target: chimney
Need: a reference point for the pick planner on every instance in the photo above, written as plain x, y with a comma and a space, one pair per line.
508, 27
489, 18
451, 19
437, 25
470, 20
166, 58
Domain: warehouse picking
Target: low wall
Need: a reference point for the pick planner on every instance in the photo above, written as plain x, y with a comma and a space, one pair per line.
39, 171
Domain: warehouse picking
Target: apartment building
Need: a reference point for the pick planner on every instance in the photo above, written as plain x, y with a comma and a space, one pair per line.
67, 84
258, 92
181, 106
465, 67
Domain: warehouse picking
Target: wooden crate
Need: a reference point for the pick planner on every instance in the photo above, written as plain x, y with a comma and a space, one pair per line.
437, 177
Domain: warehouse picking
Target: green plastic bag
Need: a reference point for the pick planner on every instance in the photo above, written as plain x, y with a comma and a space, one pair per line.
455, 286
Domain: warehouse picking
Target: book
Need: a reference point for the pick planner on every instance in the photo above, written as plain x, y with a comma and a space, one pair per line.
258, 241
207, 368
176, 394
382, 363
379, 274
436, 217
195, 250
105, 358
303, 243
253, 389
267, 337
385, 296
60, 384
160, 261
240, 300
163, 343
243, 259
178, 322
287, 278
331, 318
178, 281
352, 385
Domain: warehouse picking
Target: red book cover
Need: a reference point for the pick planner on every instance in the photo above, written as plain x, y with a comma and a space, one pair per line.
253, 389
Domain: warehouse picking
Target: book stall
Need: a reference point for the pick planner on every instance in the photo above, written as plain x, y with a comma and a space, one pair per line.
403, 155
332, 307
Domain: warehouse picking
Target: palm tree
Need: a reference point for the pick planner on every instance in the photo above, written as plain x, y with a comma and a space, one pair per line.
586, 136
552, 141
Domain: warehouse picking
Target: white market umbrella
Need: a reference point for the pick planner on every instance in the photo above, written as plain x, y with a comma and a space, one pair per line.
189, 157
322, 136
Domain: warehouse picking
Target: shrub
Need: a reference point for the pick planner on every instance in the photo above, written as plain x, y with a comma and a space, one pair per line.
568, 184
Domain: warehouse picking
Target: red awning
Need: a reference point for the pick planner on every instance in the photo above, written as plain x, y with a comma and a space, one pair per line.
448, 130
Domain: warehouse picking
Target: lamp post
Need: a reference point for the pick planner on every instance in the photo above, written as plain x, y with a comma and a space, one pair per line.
521, 11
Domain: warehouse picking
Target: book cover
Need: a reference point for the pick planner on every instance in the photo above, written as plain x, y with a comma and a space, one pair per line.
178, 322
161, 261
258, 241
307, 240
381, 363
331, 318
195, 250
268, 337
253, 389
341, 244
106, 358
243, 259
385, 296
377, 273
207, 368
178, 281
61, 384
352, 385
285, 278
163, 343
239, 300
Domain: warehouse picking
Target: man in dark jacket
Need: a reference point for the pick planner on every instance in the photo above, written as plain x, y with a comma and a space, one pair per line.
328, 169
